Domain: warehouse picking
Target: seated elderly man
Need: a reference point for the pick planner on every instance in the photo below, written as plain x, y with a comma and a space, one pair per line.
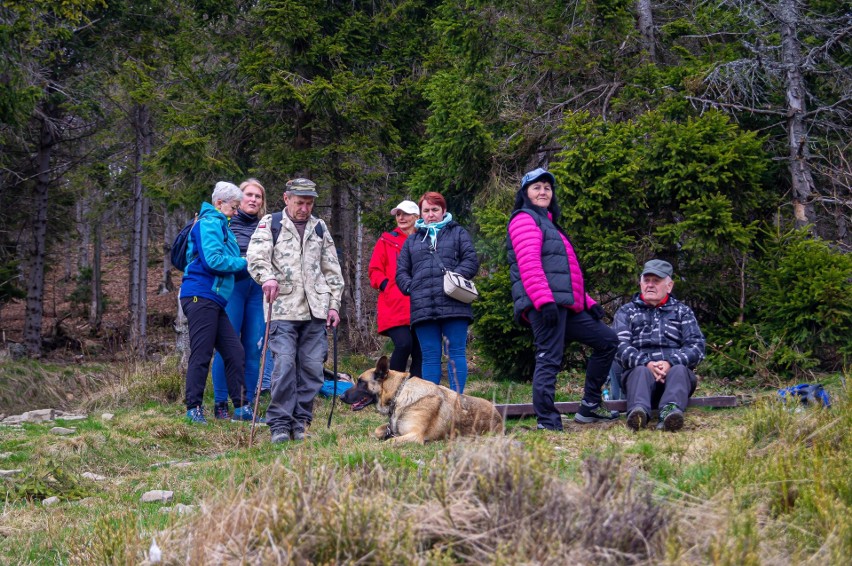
659, 346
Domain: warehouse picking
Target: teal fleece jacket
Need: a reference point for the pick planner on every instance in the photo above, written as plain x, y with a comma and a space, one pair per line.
213, 257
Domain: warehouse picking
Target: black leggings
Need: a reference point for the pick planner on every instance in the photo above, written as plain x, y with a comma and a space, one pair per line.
405, 344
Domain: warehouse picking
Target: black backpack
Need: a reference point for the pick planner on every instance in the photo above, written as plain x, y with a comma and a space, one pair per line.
178, 252
275, 227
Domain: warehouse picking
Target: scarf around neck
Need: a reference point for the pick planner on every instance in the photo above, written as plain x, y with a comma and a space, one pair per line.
433, 229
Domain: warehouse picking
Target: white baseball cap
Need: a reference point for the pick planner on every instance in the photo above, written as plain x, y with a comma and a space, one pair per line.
407, 206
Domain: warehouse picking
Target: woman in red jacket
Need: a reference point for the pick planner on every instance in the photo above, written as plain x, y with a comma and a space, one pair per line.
394, 311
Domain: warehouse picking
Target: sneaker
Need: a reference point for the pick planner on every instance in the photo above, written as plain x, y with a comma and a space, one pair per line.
594, 413
265, 393
244, 413
196, 415
637, 418
671, 418
299, 434
540, 426
281, 436
220, 411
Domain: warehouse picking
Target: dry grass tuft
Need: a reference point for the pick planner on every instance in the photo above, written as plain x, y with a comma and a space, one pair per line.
483, 502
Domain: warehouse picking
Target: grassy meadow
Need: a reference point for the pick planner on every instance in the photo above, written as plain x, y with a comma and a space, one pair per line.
759, 484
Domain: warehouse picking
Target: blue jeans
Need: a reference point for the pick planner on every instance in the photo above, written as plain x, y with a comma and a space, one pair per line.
299, 349
245, 311
431, 335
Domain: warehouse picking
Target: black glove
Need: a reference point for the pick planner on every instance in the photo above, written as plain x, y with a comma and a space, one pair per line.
549, 314
597, 312
383, 285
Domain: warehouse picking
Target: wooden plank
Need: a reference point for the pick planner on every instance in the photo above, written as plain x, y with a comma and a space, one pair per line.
526, 409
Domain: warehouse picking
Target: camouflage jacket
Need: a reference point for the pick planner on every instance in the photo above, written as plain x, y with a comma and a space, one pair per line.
310, 281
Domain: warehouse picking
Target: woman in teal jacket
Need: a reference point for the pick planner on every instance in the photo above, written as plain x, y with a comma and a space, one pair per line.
213, 257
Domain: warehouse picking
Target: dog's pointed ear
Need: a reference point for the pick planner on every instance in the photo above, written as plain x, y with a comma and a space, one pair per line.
382, 368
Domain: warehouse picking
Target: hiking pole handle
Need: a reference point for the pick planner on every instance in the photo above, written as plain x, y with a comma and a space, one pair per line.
260, 375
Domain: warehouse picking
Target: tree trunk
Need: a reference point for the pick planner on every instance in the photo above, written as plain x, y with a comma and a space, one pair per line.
170, 229
85, 231
139, 236
797, 136
181, 337
359, 239
95, 303
35, 285
645, 22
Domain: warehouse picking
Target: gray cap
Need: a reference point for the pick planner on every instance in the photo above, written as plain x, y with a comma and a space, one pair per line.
658, 267
301, 187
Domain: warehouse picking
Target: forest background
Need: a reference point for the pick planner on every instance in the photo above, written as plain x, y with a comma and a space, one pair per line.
713, 134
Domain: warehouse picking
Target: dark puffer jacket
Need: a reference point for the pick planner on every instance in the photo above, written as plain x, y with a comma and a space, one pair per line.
419, 274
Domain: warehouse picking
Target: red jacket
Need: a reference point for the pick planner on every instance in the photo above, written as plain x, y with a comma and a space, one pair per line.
394, 308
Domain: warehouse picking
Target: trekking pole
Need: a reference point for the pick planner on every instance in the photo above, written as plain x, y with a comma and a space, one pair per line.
334, 396
260, 376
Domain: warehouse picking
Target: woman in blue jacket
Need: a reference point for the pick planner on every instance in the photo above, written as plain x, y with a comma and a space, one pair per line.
213, 257
245, 306
438, 244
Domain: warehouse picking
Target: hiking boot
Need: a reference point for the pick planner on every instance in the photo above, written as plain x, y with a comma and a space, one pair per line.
594, 414
637, 418
245, 414
220, 411
196, 416
299, 434
540, 426
671, 418
281, 436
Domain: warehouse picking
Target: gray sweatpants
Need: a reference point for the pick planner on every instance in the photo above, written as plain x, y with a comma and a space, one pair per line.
643, 391
294, 388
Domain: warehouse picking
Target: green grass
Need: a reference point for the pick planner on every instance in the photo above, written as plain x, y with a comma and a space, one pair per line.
757, 484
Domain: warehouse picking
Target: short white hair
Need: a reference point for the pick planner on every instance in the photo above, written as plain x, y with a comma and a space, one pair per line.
226, 192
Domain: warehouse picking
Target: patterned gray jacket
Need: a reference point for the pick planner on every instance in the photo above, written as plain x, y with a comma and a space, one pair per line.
669, 332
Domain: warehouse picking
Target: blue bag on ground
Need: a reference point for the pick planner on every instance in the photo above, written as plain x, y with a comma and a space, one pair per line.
806, 394
327, 389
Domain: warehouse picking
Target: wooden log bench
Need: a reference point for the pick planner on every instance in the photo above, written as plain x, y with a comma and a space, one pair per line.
526, 409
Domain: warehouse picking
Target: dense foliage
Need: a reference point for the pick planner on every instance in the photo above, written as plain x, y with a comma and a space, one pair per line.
674, 129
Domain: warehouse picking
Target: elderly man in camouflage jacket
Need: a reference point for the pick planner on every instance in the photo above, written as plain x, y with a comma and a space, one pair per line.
659, 346
301, 276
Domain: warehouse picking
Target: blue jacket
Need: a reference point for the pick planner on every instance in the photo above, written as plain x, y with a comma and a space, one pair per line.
419, 275
212, 256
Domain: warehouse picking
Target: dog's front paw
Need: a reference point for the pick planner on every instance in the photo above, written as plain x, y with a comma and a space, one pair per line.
383, 432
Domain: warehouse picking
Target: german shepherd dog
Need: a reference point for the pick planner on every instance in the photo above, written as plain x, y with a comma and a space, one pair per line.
419, 410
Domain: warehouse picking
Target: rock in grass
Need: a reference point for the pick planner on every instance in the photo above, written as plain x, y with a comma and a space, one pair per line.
62, 431
4, 455
37, 416
158, 495
9, 473
73, 417
180, 509
93, 477
107, 416
50, 501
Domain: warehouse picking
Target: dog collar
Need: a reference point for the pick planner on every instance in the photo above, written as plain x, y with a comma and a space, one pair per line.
392, 404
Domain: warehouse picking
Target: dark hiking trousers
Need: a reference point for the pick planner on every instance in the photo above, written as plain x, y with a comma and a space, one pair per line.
549, 347
209, 329
643, 391
405, 344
